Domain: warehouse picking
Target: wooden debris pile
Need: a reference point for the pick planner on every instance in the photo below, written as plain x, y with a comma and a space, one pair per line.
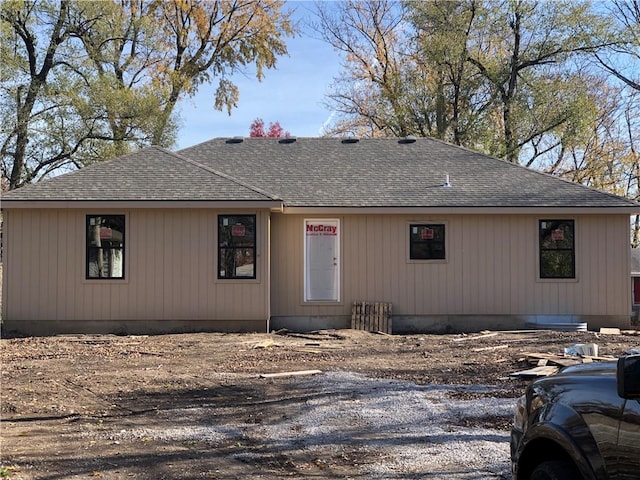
549, 363
542, 364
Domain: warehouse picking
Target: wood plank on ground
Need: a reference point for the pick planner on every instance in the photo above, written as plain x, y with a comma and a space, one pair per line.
542, 371
290, 374
551, 359
488, 349
610, 331
477, 337
592, 358
264, 344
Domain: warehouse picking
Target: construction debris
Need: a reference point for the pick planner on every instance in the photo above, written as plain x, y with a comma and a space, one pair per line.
488, 349
290, 374
610, 331
541, 371
587, 349
477, 337
549, 363
264, 344
372, 316
551, 359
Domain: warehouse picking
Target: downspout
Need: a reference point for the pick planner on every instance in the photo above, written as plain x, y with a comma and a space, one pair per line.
268, 273
278, 209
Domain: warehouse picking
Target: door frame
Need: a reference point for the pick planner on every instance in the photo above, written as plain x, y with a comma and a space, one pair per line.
337, 259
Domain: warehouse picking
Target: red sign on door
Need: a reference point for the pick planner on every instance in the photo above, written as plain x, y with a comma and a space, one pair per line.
237, 230
426, 234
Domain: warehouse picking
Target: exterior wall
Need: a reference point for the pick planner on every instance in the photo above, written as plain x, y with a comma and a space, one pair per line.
170, 275
489, 280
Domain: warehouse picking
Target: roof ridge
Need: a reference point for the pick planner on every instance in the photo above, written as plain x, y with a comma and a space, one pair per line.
218, 173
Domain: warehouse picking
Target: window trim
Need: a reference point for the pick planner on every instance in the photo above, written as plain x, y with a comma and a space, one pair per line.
573, 250
426, 223
255, 277
125, 248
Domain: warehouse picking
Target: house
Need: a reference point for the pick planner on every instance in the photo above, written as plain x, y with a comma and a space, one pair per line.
252, 234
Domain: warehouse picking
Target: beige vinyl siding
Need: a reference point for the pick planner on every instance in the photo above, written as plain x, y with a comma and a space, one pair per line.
170, 269
491, 267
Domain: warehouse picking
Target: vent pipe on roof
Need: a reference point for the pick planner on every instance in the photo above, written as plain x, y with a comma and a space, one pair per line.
350, 140
446, 184
287, 140
234, 140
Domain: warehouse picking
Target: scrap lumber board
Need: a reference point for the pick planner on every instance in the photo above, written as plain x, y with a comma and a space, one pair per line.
306, 350
598, 359
477, 337
610, 331
290, 374
518, 332
542, 371
264, 344
551, 358
488, 349
631, 332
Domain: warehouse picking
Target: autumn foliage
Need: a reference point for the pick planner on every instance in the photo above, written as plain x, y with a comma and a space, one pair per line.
85, 81
274, 131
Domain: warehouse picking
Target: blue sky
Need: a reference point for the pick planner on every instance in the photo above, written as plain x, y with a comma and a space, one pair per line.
292, 94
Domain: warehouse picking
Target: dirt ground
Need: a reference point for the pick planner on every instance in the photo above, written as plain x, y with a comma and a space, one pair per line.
67, 401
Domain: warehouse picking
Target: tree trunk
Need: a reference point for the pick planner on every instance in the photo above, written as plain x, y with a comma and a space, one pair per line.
38, 80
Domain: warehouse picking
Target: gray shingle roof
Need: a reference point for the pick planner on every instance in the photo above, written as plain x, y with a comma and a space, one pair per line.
320, 172
326, 172
150, 174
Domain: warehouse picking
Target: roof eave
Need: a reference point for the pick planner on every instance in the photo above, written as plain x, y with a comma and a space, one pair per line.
276, 205
480, 210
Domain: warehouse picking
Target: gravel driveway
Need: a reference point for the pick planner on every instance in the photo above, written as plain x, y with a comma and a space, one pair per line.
385, 428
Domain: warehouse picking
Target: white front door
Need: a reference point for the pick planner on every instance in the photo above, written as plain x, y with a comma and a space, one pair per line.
322, 260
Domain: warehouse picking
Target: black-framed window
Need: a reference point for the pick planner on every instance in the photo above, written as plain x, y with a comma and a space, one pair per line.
427, 241
236, 246
105, 247
557, 249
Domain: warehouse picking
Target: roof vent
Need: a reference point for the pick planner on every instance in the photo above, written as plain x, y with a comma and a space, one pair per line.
407, 139
287, 140
350, 140
446, 183
234, 140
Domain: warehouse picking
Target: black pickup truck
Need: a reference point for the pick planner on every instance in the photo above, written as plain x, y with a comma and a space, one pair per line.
580, 424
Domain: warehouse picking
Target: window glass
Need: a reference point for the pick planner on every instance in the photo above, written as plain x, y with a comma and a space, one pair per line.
105, 246
557, 249
426, 242
236, 246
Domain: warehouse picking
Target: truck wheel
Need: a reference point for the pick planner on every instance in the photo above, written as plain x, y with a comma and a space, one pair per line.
555, 470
